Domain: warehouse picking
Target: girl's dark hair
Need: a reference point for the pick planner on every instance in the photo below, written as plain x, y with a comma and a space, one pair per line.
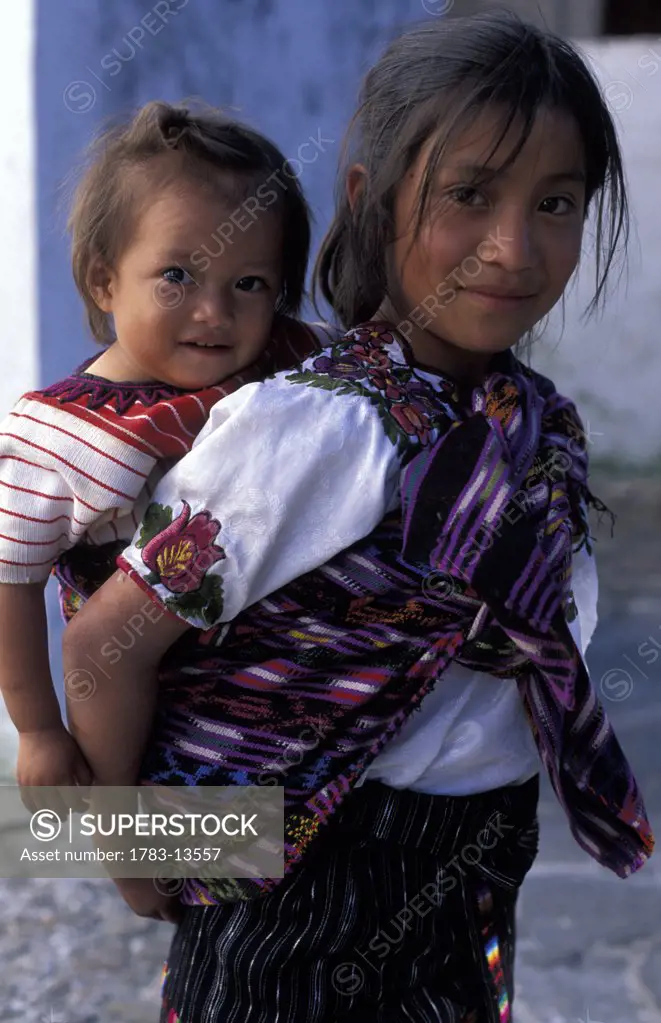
210, 148
441, 74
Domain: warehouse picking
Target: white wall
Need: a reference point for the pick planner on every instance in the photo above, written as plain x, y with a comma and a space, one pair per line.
18, 233
18, 243
612, 366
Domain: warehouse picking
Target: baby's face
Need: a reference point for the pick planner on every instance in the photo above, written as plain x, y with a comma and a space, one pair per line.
193, 295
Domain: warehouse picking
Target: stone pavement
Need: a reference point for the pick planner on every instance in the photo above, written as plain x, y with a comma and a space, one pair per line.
589, 943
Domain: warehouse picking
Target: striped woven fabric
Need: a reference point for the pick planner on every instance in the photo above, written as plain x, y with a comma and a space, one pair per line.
306, 686
389, 900
79, 461
490, 506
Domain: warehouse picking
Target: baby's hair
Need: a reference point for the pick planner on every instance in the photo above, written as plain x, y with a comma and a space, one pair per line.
441, 75
208, 147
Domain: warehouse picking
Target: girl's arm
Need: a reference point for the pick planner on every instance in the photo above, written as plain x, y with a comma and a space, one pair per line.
113, 724
283, 477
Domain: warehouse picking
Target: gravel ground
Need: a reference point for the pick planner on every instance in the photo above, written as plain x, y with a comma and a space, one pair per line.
589, 944
72, 952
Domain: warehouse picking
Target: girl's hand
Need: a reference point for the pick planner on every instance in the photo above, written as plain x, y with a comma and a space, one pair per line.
49, 757
144, 898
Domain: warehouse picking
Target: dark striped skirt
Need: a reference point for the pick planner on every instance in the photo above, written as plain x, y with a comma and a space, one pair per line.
404, 911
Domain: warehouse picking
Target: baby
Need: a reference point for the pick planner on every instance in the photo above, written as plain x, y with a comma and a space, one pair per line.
190, 241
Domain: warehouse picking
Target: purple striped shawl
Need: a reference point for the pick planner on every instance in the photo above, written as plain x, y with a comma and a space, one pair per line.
494, 496
493, 505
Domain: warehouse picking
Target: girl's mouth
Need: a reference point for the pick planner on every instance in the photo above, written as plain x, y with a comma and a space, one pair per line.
496, 300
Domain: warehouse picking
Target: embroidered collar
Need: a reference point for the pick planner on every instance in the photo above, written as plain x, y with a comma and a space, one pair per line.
502, 362
101, 391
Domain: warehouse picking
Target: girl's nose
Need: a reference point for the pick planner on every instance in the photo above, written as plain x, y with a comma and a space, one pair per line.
510, 243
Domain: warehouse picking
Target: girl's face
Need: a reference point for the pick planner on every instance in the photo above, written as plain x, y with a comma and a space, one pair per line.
193, 294
490, 260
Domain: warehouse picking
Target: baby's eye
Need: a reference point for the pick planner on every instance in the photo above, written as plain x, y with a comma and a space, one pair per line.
177, 275
550, 205
251, 283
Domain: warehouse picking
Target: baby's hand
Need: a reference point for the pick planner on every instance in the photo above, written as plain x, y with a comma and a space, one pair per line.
50, 757
145, 899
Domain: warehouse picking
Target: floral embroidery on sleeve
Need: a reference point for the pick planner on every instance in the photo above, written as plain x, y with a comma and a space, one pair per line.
363, 362
179, 553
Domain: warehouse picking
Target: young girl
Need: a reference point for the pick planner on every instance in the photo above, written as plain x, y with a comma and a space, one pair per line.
427, 550
190, 246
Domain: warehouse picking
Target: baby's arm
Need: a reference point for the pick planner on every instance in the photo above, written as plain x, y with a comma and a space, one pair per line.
113, 725
47, 755
61, 472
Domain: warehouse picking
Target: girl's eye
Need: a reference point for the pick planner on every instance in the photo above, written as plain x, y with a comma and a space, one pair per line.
251, 284
177, 275
467, 195
554, 205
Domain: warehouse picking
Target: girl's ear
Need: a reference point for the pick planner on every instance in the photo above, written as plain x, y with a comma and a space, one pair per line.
356, 177
100, 279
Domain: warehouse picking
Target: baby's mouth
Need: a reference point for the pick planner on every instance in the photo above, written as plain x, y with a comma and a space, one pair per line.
211, 343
